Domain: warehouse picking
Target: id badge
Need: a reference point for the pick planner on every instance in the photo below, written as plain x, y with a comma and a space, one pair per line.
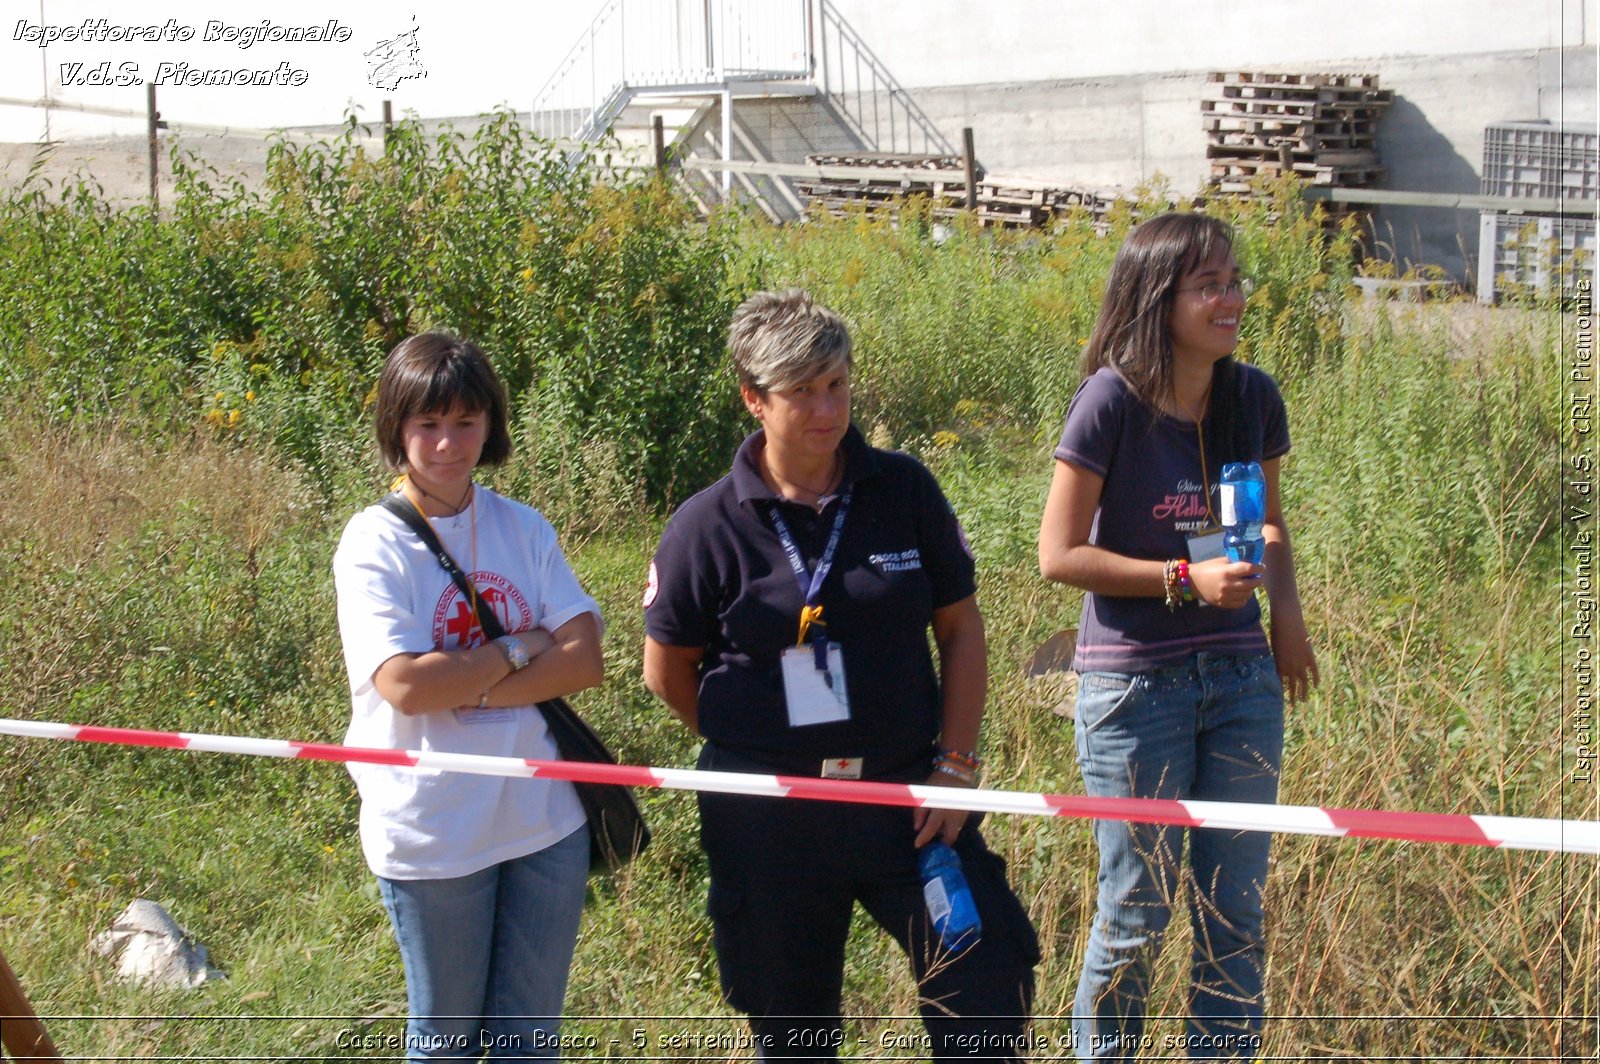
1205, 544
487, 715
813, 695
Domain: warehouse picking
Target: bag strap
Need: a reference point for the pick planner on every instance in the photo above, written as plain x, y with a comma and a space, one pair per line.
397, 504
610, 807
402, 507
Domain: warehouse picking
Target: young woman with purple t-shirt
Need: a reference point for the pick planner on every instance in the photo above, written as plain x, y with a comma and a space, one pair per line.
1181, 692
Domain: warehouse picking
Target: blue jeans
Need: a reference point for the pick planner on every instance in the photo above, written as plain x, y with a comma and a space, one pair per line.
486, 955
1210, 728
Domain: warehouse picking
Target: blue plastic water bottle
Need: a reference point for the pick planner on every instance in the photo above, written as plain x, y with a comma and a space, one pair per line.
950, 906
1244, 511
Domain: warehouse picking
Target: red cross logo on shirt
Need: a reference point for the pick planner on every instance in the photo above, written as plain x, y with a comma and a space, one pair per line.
453, 627
461, 624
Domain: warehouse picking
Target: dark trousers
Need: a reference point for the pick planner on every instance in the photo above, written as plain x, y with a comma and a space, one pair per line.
785, 875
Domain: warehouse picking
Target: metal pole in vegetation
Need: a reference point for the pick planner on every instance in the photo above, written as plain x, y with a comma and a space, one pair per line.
969, 166
152, 123
22, 1035
658, 140
388, 124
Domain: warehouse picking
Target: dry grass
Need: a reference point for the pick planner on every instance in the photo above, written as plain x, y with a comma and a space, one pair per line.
96, 516
75, 492
197, 572
1379, 949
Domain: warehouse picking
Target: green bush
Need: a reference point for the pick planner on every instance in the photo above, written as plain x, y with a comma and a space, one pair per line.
188, 434
266, 313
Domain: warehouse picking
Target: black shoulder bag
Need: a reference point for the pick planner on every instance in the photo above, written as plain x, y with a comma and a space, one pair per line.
617, 831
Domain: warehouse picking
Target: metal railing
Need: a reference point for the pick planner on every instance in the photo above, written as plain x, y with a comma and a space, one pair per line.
663, 45
866, 96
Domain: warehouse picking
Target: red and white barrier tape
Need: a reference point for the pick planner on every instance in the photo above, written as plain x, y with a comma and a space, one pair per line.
1516, 833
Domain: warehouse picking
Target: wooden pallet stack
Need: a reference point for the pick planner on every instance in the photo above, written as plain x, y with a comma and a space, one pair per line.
1320, 127
839, 196
1001, 203
1025, 205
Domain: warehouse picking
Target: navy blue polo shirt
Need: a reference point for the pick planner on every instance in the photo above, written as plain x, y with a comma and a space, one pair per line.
720, 580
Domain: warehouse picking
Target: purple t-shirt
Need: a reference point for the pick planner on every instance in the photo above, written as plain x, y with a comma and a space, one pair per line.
1152, 499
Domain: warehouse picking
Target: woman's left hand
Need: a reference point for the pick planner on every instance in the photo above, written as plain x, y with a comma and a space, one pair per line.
939, 823
1291, 643
1297, 663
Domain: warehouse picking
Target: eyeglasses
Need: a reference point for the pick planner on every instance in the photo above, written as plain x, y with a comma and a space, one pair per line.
1211, 293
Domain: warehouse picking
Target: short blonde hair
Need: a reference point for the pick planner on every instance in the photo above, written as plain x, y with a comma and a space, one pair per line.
778, 339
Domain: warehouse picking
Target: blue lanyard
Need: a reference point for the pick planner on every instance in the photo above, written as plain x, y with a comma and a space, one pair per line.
811, 583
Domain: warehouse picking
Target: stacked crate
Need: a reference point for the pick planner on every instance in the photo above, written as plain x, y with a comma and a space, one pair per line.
1320, 127
839, 196
1537, 252
1025, 205
1001, 203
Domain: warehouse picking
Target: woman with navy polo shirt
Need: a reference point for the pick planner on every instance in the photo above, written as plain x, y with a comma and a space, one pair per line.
787, 616
1180, 691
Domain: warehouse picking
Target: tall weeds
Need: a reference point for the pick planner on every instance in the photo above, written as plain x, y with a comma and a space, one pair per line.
186, 435
265, 313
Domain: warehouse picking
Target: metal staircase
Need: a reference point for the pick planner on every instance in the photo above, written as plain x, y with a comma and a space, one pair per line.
700, 64
673, 49
866, 96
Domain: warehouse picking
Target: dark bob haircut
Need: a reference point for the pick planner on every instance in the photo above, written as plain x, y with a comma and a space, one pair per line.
429, 374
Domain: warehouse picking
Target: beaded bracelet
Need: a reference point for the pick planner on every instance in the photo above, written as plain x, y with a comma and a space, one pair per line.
968, 759
1185, 586
1169, 583
962, 764
969, 778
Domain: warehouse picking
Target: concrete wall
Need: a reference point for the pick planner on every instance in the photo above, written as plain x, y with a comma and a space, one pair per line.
960, 42
1120, 131
1109, 95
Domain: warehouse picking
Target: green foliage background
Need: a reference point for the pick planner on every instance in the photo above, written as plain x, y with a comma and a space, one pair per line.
188, 433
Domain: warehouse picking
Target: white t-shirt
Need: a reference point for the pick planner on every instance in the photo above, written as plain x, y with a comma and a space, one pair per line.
395, 598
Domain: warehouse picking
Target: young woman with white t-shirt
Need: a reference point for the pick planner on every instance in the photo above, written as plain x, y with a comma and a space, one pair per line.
483, 877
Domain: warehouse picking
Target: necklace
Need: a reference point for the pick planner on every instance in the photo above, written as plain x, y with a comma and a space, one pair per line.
1200, 438
454, 510
819, 499
1180, 408
406, 482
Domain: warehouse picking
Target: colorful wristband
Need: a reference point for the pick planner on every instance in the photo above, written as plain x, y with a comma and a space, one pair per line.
966, 758
969, 778
1185, 585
